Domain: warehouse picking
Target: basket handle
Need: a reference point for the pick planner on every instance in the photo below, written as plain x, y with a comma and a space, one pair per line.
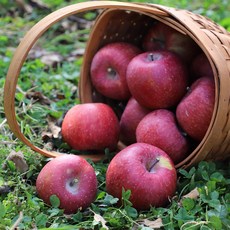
30, 39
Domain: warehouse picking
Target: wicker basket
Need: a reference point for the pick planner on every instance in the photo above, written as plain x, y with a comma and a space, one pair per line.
129, 20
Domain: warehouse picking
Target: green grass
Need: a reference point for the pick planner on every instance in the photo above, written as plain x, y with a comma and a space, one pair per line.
18, 199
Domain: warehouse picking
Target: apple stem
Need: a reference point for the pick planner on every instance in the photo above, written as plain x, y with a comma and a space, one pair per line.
151, 57
73, 182
111, 73
154, 163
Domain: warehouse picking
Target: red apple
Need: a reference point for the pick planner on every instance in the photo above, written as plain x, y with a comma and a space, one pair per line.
130, 118
108, 69
145, 170
91, 126
164, 37
157, 79
195, 111
159, 128
72, 179
201, 67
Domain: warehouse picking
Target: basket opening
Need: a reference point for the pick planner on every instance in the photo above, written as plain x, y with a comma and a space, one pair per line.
123, 26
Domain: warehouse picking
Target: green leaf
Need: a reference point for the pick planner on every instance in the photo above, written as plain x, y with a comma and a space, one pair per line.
213, 203
3, 40
211, 185
222, 210
214, 195
188, 203
186, 174
19, 96
2, 210
125, 197
131, 212
41, 220
54, 212
204, 227
126, 194
215, 222
11, 165
66, 227
226, 23
101, 195
217, 176
183, 215
77, 216
110, 200
90, 16
54, 200
205, 175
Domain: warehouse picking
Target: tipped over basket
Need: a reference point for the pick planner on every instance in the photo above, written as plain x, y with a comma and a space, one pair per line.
120, 21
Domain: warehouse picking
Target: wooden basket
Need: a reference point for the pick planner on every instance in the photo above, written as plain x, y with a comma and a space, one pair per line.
128, 20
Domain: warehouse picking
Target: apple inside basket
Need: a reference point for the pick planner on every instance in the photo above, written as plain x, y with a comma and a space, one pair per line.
156, 78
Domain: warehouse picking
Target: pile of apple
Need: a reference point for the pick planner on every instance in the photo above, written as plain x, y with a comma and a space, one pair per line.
168, 86
168, 89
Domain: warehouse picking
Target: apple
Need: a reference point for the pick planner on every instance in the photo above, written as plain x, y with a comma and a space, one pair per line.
108, 69
157, 79
91, 126
159, 128
195, 111
130, 118
164, 37
145, 170
201, 67
72, 179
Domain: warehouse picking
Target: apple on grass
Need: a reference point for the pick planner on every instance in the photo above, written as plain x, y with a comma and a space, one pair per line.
164, 37
195, 110
157, 79
145, 170
72, 179
130, 118
91, 126
159, 128
108, 69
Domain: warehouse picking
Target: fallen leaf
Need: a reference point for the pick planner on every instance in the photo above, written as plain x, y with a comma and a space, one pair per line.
39, 4
19, 161
80, 21
23, 5
38, 96
4, 189
78, 52
99, 218
154, 224
46, 57
75, 54
37, 52
55, 130
194, 194
46, 136
52, 59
